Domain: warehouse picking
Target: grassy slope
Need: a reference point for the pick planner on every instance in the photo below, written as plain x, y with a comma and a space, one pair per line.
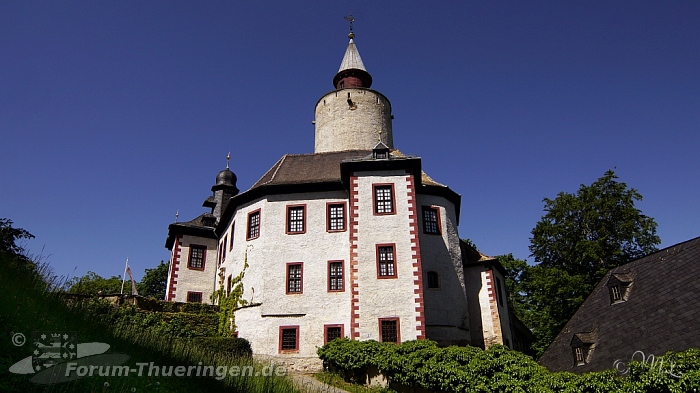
26, 307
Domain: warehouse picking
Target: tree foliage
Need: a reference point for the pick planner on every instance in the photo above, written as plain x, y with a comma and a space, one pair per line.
92, 284
594, 230
154, 282
9, 236
576, 242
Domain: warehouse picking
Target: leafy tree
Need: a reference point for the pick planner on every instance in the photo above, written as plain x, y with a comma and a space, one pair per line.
92, 284
9, 237
576, 242
154, 282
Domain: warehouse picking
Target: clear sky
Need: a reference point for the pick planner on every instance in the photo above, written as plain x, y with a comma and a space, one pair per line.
116, 114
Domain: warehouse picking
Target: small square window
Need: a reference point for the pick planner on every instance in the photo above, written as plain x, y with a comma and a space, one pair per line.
289, 339
197, 257
384, 199
194, 297
332, 332
294, 277
433, 280
295, 219
431, 220
335, 276
389, 330
336, 217
386, 263
253, 225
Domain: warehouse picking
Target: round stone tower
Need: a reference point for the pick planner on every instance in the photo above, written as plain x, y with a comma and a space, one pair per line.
353, 116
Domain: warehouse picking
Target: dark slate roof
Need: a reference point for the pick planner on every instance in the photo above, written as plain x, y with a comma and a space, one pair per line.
316, 172
319, 167
660, 312
202, 226
308, 168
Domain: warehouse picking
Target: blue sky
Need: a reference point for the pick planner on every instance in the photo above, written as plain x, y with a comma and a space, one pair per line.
116, 114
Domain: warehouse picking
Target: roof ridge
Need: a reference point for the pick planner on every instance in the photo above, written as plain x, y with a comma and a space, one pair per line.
278, 167
275, 166
327, 152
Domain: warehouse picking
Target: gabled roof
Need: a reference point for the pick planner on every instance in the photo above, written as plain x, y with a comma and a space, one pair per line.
659, 313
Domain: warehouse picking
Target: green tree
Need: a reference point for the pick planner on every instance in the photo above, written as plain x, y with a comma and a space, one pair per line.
154, 282
9, 237
576, 242
92, 284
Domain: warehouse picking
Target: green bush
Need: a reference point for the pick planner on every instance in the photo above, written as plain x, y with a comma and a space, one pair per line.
234, 346
499, 369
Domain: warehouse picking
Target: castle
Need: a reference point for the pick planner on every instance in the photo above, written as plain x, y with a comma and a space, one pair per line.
354, 240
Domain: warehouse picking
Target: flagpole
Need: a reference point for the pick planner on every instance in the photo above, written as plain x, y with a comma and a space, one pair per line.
126, 265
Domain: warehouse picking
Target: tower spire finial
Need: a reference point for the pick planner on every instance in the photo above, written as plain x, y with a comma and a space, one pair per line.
228, 157
350, 19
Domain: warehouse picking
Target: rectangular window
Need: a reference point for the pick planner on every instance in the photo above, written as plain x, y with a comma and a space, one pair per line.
228, 284
499, 294
431, 220
336, 217
384, 199
253, 225
386, 263
194, 297
580, 358
296, 216
332, 332
289, 339
616, 295
335, 276
295, 273
223, 249
389, 330
197, 257
433, 280
230, 244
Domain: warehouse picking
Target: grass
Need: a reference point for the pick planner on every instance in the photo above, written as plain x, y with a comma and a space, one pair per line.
30, 303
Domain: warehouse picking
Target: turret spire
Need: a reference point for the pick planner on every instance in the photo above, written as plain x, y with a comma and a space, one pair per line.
352, 71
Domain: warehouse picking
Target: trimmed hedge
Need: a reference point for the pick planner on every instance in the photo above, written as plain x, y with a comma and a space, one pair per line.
233, 346
469, 369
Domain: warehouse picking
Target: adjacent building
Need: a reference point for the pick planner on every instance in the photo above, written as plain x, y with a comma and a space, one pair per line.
647, 307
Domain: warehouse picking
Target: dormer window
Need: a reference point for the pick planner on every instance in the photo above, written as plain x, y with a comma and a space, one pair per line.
619, 285
380, 151
582, 345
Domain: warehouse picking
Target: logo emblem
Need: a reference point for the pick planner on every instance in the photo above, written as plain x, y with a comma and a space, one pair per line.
52, 348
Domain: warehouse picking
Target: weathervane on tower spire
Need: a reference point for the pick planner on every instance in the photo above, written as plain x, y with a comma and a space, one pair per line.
350, 19
228, 157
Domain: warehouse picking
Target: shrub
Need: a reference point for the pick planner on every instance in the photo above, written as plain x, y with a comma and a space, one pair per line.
499, 369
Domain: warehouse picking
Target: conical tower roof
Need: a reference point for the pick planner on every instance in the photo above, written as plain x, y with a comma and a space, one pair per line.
352, 71
352, 59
